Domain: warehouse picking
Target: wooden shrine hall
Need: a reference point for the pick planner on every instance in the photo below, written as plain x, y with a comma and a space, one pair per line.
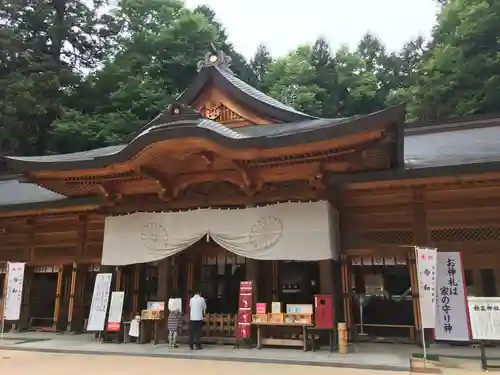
225, 146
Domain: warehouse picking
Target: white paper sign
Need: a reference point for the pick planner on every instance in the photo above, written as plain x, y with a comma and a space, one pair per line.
115, 311
100, 299
426, 259
14, 293
485, 317
452, 323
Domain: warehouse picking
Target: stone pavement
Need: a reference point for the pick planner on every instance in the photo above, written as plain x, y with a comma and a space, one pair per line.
384, 359
362, 356
29, 363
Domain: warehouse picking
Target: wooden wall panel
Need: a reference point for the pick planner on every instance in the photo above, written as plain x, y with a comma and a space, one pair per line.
56, 238
54, 254
95, 236
13, 254
59, 224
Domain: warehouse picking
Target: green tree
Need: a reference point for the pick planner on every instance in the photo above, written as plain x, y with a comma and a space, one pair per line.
326, 78
44, 47
291, 79
260, 64
460, 74
159, 47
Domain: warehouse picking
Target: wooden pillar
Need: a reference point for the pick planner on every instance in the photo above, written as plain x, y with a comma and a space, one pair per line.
326, 276
190, 277
252, 274
72, 291
28, 277
4, 291
336, 278
164, 290
412, 267
57, 304
346, 291
276, 282
82, 237
135, 293
118, 282
420, 232
420, 238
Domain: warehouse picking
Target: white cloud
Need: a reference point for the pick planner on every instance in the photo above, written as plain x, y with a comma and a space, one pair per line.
283, 24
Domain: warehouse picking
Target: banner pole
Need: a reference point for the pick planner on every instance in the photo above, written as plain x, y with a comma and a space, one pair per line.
423, 342
4, 297
422, 329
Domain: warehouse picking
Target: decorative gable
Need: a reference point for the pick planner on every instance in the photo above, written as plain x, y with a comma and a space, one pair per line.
222, 114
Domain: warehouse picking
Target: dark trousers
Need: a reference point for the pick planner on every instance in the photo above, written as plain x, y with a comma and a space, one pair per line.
195, 332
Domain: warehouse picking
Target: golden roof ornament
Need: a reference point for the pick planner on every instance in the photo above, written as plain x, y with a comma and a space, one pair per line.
215, 58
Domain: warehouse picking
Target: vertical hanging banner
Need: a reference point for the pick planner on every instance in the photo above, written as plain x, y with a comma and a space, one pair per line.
14, 291
99, 305
245, 310
452, 314
426, 259
115, 311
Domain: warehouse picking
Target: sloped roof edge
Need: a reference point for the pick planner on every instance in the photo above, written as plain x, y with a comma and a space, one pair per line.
298, 133
243, 93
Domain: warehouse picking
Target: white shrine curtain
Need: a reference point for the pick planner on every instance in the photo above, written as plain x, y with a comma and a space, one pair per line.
285, 231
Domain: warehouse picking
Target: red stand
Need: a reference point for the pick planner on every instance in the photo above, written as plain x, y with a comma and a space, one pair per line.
244, 321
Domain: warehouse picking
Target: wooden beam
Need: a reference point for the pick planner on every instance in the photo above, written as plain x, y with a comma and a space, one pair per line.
420, 227
252, 274
118, 285
45, 211
4, 294
326, 276
275, 284
71, 304
57, 304
412, 269
135, 295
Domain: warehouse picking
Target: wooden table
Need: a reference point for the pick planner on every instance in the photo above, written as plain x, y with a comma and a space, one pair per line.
282, 342
331, 337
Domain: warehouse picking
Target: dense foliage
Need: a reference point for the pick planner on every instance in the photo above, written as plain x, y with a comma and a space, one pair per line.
76, 75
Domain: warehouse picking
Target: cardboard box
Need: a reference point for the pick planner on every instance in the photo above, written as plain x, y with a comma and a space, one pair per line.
152, 314
276, 318
259, 318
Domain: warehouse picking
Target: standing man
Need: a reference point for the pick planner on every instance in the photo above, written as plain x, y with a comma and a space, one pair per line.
197, 308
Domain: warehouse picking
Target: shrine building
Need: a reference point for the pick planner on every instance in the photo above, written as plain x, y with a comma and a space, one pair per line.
228, 184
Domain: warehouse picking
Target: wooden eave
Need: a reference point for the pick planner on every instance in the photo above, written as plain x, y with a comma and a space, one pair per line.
168, 158
70, 205
403, 178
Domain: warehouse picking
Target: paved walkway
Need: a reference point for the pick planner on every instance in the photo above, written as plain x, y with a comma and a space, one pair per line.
29, 363
384, 359
389, 357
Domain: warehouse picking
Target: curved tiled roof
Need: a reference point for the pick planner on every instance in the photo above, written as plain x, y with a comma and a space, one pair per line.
263, 137
13, 192
258, 95
438, 147
455, 147
243, 93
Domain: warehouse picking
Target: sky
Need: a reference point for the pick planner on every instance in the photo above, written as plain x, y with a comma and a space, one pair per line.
284, 24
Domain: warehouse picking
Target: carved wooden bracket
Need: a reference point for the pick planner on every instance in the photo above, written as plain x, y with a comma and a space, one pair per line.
109, 193
168, 190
